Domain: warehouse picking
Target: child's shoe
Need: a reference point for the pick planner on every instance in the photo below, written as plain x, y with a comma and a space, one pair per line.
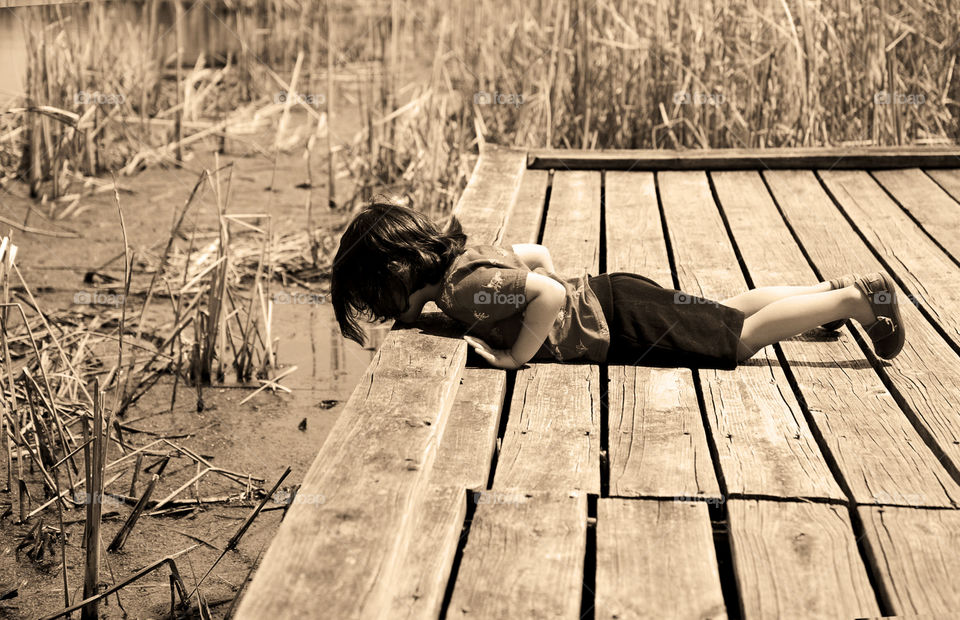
836, 283
887, 332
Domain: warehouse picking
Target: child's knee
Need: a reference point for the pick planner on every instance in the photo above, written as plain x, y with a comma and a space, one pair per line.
744, 350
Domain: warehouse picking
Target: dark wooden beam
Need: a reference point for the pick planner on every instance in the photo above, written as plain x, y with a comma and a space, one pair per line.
871, 158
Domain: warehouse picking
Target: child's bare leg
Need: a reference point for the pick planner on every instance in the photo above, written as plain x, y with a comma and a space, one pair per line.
754, 299
794, 315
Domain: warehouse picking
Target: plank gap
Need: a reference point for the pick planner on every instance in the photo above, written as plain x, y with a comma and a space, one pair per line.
912, 417
604, 430
828, 456
710, 432
588, 592
911, 295
720, 526
604, 371
671, 260
940, 182
906, 211
879, 365
546, 208
860, 532
458, 556
502, 428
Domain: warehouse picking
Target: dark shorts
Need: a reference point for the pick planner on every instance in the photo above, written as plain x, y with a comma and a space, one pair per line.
655, 326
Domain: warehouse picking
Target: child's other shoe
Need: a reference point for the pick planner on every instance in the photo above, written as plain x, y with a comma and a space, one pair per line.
887, 332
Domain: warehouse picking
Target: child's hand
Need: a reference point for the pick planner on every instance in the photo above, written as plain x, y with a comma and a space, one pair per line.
499, 358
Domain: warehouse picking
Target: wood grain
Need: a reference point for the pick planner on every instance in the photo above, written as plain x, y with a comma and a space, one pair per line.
572, 229
656, 441
764, 444
877, 451
933, 208
552, 437
462, 463
419, 586
923, 268
925, 376
470, 439
524, 557
914, 552
948, 179
362, 488
523, 226
798, 560
490, 195
656, 559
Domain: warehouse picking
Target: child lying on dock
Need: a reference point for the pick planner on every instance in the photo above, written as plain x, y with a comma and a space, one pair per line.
393, 260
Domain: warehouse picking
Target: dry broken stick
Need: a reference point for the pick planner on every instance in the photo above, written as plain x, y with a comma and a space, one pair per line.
238, 478
169, 497
81, 482
270, 383
235, 539
168, 560
121, 537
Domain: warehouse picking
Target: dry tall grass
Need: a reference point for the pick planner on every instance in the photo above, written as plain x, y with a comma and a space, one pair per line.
549, 73
714, 73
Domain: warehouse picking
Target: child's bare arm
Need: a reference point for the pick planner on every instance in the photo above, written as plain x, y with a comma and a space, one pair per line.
544, 297
534, 255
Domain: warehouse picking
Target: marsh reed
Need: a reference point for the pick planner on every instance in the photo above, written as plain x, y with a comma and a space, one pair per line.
433, 79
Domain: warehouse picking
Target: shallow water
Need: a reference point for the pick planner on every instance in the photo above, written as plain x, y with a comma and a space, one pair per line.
206, 31
260, 437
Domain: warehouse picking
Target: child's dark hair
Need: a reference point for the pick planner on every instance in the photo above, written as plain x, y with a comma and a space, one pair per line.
386, 253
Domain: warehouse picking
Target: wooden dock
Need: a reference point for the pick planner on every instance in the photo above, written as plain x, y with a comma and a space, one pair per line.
813, 481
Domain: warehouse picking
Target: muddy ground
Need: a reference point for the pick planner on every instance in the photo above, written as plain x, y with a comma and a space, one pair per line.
261, 437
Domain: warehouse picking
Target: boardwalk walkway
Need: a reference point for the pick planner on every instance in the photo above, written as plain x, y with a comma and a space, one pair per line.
813, 481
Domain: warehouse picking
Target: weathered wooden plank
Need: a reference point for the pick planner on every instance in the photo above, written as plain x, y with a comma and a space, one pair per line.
634, 229
914, 553
523, 226
370, 474
907, 251
372, 471
948, 179
486, 205
656, 445
462, 462
488, 199
926, 374
572, 230
552, 438
656, 442
523, 558
763, 441
926, 201
877, 451
656, 559
746, 159
470, 439
798, 560
425, 563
